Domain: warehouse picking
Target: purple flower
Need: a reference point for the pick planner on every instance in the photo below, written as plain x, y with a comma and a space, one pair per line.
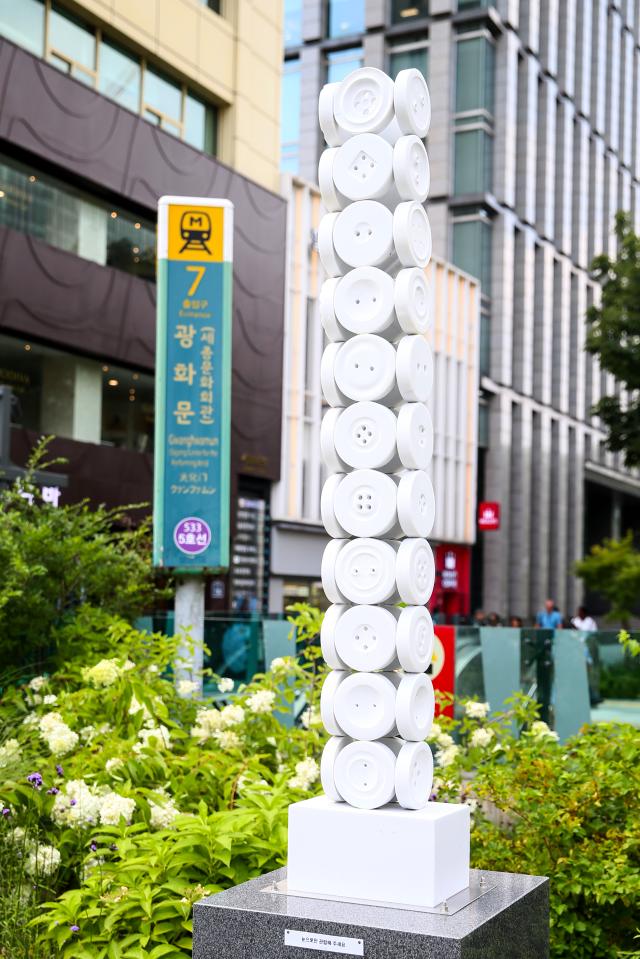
60, 770
74, 928
35, 779
73, 802
6, 811
53, 791
113, 847
93, 846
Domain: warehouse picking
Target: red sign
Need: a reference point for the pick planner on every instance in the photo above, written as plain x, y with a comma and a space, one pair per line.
443, 664
489, 516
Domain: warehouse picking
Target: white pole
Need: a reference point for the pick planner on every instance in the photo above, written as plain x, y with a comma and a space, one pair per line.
189, 623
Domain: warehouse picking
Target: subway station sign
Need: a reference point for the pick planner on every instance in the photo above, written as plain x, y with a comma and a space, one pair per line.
193, 383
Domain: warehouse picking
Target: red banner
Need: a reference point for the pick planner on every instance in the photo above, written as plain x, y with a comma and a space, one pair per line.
489, 516
443, 668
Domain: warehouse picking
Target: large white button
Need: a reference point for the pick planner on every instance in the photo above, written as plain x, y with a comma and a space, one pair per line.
364, 101
365, 705
326, 115
333, 746
416, 503
365, 503
327, 570
364, 368
414, 638
411, 169
328, 636
415, 571
332, 393
414, 775
365, 435
364, 774
328, 700
332, 264
363, 168
365, 637
364, 571
411, 234
362, 235
415, 435
330, 197
328, 452
414, 368
415, 706
327, 507
412, 299
327, 311
412, 103
364, 300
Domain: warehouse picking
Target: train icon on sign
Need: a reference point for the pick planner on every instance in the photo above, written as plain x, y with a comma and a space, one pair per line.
195, 230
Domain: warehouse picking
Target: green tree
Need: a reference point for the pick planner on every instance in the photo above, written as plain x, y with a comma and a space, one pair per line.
614, 337
613, 569
62, 564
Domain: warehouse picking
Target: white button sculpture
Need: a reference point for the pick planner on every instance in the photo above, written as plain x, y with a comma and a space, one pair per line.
378, 505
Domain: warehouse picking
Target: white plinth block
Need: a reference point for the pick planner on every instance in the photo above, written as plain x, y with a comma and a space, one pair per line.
389, 855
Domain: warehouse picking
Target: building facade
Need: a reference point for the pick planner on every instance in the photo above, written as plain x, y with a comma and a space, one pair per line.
534, 146
298, 537
106, 106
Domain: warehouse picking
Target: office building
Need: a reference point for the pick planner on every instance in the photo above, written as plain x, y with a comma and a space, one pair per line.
534, 145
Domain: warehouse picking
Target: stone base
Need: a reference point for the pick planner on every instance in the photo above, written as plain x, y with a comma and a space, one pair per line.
251, 921
405, 857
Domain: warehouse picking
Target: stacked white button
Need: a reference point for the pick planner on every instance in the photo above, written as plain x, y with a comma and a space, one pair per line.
378, 503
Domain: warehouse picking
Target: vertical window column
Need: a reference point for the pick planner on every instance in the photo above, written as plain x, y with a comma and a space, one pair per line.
290, 116
474, 112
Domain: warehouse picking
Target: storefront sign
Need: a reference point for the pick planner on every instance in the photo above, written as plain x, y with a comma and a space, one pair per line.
489, 516
193, 383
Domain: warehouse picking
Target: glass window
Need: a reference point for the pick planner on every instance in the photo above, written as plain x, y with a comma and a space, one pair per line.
72, 44
131, 245
23, 23
473, 160
403, 11
341, 62
212, 4
472, 248
127, 409
119, 76
292, 23
290, 116
199, 124
346, 17
408, 58
474, 75
469, 4
162, 100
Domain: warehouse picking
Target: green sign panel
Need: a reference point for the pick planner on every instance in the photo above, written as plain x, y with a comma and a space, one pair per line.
193, 384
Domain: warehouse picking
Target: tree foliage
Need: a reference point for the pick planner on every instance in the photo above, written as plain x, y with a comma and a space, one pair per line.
613, 569
614, 337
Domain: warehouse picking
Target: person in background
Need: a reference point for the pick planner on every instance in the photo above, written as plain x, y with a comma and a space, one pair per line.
479, 618
493, 620
515, 622
583, 621
550, 617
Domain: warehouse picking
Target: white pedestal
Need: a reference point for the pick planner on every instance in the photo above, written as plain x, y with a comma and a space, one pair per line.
389, 855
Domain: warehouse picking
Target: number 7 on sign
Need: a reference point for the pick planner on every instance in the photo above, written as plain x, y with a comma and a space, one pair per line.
199, 271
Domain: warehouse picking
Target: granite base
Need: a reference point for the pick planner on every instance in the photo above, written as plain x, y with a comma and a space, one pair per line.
250, 921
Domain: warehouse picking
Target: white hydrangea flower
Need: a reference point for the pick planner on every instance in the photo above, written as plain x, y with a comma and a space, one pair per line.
307, 772
153, 668
481, 737
36, 699
113, 764
444, 757
472, 803
36, 684
58, 736
434, 732
105, 673
42, 860
261, 701
279, 663
227, 739
225, 685
186, 688
9, 752
77, 804
49, 721
539, 729
310, 717
162, 814
135, 707
127, 665
231, 715
476, 710
50, 699
113, 806
154, 737
444, 740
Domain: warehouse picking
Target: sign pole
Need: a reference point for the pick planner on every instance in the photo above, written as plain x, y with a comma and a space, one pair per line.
193, 407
